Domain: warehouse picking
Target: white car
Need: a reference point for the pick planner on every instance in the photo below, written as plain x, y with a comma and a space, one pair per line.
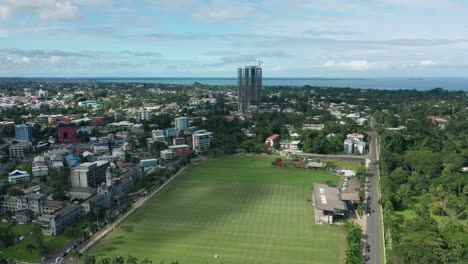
21, 238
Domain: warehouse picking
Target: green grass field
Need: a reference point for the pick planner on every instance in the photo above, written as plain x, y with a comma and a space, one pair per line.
239, 208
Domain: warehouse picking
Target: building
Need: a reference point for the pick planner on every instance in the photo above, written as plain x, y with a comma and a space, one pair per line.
354, 143
67, 134
168, 154
178, 141
43, 93
201, 140
171, 132
149, 163
181, 123
313, 126
81, 193
328, 203
23, 133
249, 88
89, 174
55, 223
290, 145
184, 152
33, 202
158, 135
39, 169
179, 147
18, 150
272, 139
19, 176
143, 115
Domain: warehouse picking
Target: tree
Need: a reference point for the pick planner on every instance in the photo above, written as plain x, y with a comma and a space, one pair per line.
132, 260
90, 259
118, 260
146, 261
104, 260
457, 248
30, 249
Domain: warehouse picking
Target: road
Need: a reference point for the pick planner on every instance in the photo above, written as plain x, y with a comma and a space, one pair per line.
374, 220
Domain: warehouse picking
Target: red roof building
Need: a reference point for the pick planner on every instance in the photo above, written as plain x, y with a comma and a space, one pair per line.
184, 152
272, 139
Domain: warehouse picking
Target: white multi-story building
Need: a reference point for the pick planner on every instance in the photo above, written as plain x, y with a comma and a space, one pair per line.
354, 143
201, 140
158, 135
168, 154
181, 123
143, 115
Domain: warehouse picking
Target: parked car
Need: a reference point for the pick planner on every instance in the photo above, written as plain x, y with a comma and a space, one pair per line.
21, 238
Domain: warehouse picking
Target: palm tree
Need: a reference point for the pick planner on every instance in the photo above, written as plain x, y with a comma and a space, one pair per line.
104, 260
132, 260
90, 259
146, 261
30, 248
76, 255
457, 248
118, 260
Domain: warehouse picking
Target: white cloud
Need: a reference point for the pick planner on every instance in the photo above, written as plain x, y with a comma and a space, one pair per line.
46, 9
427, 63
220, 11
61, 11
355, 65
4, 13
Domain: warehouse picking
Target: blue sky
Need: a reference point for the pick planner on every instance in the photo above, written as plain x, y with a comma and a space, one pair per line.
211, 38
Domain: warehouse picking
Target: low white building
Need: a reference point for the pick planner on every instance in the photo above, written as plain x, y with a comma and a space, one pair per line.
290, 145
39, 170
168, 154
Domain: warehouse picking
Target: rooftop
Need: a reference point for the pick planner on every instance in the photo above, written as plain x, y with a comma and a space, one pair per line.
328, 198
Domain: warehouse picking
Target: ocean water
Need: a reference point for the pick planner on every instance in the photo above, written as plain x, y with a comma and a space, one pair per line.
453, 84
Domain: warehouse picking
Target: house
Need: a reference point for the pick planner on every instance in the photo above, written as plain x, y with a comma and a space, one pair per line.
149, 163
18, 176
354, 143
168, 154
290, 145
272, 139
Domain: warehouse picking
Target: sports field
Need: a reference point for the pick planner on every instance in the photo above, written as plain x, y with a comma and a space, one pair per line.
239, 208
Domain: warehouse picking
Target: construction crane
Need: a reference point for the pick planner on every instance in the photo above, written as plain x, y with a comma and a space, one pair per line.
260, 63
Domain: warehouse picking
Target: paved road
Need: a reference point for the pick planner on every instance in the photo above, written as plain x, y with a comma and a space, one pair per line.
373, 230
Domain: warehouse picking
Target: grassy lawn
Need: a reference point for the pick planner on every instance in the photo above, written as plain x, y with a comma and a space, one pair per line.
347, 164
239, 208
17, 229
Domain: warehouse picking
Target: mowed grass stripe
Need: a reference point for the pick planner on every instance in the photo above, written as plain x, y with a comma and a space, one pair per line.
243, 221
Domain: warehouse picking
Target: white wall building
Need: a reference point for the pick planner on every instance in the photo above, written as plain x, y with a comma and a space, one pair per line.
181, 123
201, 140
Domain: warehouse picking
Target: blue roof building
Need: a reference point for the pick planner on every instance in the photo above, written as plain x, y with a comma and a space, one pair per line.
23, 133
19, 176
73, 160
171, 132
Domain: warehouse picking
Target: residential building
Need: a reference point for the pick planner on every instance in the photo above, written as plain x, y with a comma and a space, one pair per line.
19, 176
171, 132
32, 202
313, 126
179, 147
181, 123
201, 140
89, 174
272, 139
67, 134
18, 150
39, 169
290, 145
43, 93
168, 154
354, 144
158, 135
23, 133
249, 88
149, 163
178, 141
143, 115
